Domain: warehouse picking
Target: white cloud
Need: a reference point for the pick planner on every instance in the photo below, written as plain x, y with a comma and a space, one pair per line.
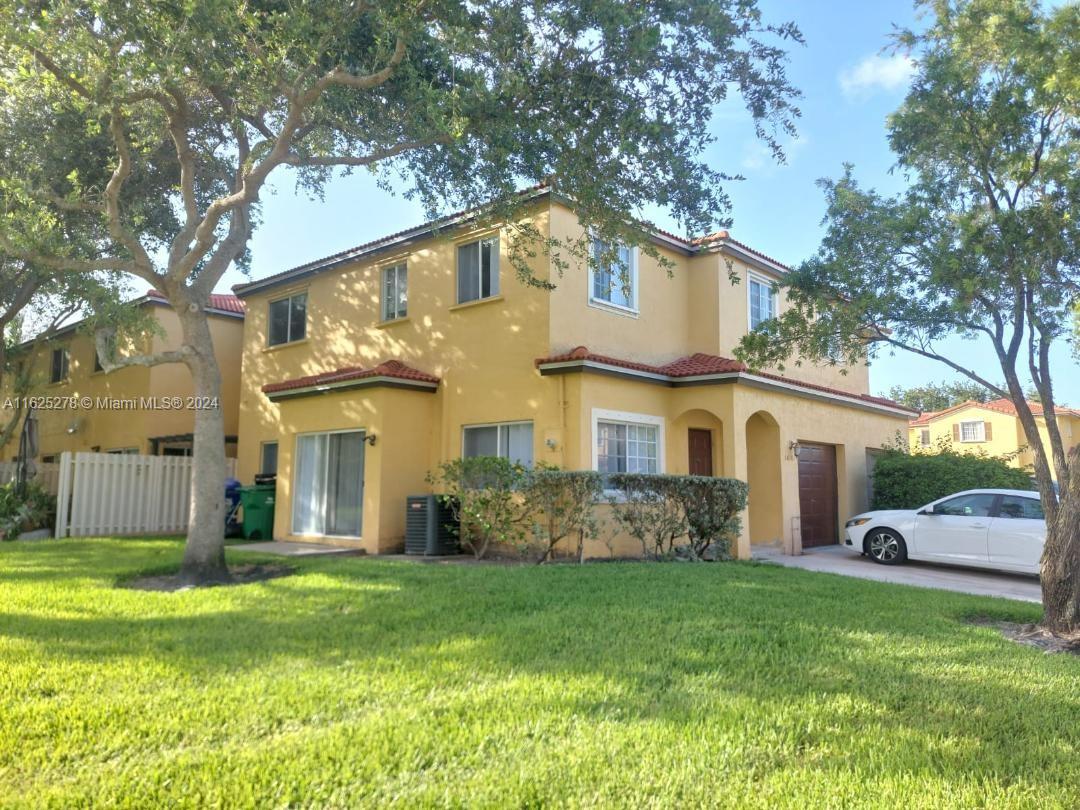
757, 157
876, 72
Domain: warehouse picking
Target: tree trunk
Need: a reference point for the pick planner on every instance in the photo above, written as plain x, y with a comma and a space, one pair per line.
1061, 558
204, 553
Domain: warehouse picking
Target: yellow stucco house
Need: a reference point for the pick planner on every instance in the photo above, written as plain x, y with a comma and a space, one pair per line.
90, 410
363, 370
988, 427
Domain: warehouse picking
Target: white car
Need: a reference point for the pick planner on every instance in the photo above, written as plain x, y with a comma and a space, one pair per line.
984, 528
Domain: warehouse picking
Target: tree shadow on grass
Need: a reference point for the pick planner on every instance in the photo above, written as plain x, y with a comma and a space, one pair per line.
673, 644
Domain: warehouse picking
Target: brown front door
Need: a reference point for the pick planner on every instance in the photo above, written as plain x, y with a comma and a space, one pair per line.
700, 451
817, 494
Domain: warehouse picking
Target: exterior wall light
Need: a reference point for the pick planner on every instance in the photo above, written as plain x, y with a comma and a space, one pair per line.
795, 449
551, 444
371, 438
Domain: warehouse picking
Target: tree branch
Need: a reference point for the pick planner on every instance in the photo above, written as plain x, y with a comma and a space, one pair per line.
104, 345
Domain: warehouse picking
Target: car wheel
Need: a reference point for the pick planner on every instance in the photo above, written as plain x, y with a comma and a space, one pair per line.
886, 547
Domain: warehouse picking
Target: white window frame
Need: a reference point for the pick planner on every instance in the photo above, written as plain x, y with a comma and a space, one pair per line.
398, 269
632, 270
924, 437
288, 324
262, 455
512, 423
627, 418
292, 482
774, 298
496, 281
981, 432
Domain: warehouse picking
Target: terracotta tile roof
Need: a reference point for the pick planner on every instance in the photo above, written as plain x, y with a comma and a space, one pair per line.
1001, 405
228, 303
701, 364
388, 368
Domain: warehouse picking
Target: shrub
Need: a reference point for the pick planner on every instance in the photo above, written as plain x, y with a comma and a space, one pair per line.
661, 510
565, 502
484, 494
32, 510
903, 481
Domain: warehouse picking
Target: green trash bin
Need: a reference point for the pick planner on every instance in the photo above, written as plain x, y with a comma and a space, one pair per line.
258, 505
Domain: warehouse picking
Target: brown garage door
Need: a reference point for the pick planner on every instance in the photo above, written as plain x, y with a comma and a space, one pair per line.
817, 494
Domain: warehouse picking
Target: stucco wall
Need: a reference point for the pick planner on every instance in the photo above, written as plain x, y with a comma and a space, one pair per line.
120, 429
1007, 434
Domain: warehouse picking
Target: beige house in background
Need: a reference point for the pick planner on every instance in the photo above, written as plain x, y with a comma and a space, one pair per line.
364, 370
988, 427
65, 370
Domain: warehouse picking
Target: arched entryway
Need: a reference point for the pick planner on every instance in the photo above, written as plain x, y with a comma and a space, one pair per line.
696, 444
766, 512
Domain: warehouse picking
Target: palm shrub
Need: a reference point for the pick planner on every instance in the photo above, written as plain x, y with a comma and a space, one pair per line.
485, 496
905, 481
565, 506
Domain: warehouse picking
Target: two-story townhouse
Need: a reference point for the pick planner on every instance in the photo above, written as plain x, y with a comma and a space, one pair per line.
364, 370
136, 409
989, 427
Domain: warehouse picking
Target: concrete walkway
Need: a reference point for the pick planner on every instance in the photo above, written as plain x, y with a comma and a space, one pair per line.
844, 561
286, 549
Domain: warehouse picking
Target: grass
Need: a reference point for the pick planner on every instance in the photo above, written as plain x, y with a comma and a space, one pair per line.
370, 682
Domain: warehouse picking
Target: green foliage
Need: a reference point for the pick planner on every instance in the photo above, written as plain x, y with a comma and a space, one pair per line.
33, 509
659, 511
484, 493
939, 396
364, 681
564, 502
903, 481
985, 242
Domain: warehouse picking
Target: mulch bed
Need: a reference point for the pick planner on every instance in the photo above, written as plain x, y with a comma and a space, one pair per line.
1031, 635
241, 575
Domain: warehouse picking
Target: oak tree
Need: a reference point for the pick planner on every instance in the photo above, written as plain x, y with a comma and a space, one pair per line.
458, 104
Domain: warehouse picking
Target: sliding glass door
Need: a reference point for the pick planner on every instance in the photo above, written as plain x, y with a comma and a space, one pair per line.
329, 484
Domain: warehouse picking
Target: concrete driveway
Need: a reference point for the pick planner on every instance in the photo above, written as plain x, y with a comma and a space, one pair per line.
841, 560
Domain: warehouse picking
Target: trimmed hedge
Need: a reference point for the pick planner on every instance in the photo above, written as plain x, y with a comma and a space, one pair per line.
903, 481
668, 514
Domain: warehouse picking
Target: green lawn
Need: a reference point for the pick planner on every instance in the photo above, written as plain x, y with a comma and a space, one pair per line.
367, 682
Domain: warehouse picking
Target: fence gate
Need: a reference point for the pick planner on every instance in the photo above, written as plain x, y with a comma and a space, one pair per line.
117, 494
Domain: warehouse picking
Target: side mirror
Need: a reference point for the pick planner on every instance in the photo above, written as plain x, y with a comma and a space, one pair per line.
924, 512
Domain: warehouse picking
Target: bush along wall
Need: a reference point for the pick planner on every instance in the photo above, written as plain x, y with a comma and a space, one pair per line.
691, 516
903, 481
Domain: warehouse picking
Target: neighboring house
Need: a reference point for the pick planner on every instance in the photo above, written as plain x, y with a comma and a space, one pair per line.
130, 410
989, 427
364, 370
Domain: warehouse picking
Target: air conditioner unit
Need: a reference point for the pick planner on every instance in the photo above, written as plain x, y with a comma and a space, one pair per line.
430, 528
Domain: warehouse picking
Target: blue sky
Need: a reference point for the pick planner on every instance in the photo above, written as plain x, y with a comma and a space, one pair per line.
849, 88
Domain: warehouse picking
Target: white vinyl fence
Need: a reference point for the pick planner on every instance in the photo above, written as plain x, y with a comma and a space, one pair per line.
117, 494
48, 475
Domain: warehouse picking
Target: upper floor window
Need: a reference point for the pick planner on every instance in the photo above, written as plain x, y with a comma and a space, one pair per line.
58, 370
762, 301
395, 292
614, 275
478, 270
509, 440
288, 319
973, 431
